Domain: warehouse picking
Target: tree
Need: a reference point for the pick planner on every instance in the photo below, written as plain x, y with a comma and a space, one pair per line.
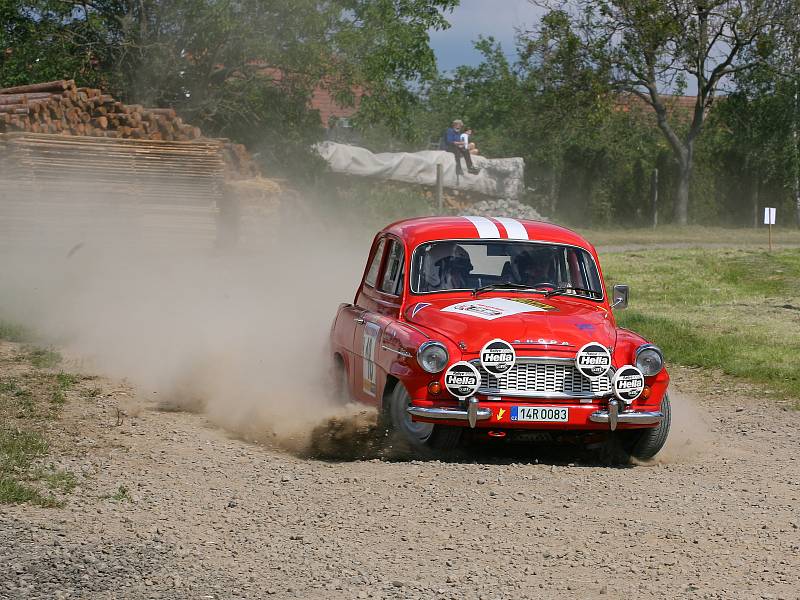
238, 68
569, 97
555, 109
41, 41
786, 60
652, 48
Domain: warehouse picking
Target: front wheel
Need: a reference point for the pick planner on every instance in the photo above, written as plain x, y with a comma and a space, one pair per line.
646, 443
420, 437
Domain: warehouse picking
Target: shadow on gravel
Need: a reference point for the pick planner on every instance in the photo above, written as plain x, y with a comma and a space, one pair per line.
360, 437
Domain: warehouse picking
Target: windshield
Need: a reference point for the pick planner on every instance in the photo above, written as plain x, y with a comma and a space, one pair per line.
501, 264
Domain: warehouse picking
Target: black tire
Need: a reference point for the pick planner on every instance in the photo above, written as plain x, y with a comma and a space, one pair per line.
645, 444
419, 437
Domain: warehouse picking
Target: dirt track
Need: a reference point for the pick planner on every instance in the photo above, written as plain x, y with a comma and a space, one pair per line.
214, 517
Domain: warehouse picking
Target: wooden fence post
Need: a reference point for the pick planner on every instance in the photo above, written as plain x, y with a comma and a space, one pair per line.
654, 197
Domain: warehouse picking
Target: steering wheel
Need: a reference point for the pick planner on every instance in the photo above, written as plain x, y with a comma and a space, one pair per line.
549, 284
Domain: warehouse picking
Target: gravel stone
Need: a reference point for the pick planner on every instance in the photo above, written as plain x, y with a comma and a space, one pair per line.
505, 208
714, 517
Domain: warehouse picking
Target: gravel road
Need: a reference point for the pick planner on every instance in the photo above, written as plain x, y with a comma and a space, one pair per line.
205, 515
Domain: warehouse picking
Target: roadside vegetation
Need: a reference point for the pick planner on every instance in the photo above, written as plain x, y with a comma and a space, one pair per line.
691, 234
736, 310
591, 95
32, 394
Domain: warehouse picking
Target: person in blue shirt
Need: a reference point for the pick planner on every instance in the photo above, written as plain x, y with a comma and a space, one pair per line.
456, 146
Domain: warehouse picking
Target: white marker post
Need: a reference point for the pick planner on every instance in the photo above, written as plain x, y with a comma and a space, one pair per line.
769, 219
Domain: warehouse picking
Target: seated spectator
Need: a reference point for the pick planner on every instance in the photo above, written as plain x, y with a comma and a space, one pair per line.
455, 145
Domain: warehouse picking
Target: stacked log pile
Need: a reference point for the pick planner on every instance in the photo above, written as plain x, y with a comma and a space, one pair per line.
72, 156
61, 107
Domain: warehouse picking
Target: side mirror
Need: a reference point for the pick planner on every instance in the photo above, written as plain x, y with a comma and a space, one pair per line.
620, 296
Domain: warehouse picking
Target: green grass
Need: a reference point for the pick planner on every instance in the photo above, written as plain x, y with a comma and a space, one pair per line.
63, 481
121, 495
16, 397
66, 380
691, 234
92, 392
735, 310
15, 492
18, 451
14, 333
18, 448
58, 397
31, 393
43, 358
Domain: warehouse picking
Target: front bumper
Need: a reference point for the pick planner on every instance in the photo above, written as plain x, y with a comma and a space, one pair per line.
497, 414
473, 414
631, 416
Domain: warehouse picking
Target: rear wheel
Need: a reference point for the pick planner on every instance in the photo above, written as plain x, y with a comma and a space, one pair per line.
646, 443
418, 436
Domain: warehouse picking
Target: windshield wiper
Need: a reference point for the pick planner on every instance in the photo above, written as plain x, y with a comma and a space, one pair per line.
563, 290
504, 285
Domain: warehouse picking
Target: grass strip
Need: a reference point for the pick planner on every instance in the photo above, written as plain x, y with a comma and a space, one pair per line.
734, 355
735, 310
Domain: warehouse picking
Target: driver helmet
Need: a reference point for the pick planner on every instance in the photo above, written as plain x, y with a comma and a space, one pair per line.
534, 265
446, 264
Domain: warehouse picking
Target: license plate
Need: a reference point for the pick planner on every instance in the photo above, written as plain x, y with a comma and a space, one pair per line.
540, 414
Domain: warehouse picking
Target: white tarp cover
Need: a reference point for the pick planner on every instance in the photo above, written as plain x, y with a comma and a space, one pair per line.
498, 177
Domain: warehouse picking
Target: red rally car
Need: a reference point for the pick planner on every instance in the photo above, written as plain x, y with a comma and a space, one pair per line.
501, 326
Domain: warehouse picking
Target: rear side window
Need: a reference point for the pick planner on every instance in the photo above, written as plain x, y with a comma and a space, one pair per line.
375, 265
393, 275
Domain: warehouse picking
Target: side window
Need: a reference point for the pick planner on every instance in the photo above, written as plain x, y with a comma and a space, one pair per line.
393, 275
374, 267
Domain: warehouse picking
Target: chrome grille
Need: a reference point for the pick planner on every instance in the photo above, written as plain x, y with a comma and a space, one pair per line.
538, 377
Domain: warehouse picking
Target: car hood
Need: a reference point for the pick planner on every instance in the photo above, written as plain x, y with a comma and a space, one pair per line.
555, 323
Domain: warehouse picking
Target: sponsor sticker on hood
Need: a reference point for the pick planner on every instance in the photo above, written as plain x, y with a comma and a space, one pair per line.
418, 307
495, 308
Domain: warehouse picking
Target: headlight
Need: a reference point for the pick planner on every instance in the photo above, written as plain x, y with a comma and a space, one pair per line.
433, 357
649, 360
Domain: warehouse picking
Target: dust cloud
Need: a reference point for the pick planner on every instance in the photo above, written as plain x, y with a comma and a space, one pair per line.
241, 335
690, 436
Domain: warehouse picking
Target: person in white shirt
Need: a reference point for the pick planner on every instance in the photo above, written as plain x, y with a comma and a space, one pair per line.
452, 142
465, 138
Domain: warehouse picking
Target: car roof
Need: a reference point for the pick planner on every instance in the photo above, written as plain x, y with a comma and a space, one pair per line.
425, 229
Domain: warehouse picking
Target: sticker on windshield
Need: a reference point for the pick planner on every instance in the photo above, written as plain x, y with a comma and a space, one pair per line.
628, 383
498, 356
593, 360
462, 380
493, 308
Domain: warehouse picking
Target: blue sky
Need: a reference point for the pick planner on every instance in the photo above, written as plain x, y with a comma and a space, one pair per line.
472, 18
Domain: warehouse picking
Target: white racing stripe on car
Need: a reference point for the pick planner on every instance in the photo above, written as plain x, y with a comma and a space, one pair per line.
515, 229
486, 229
